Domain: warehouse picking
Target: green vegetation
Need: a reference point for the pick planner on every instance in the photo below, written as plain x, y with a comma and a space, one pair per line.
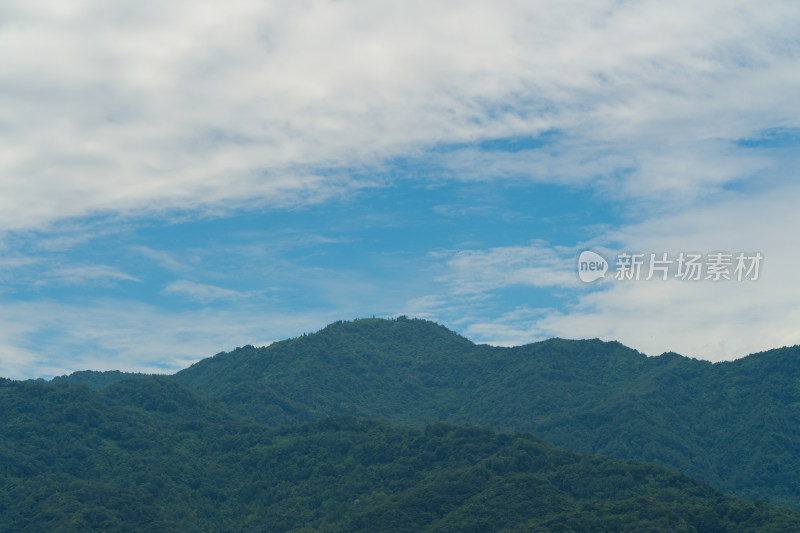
94, 379
734, 425
146, 454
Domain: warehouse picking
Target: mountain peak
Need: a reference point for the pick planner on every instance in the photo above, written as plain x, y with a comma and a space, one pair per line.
401, 328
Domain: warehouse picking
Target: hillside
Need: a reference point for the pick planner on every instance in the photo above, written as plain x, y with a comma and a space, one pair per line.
735, 425
146, 454
95, 379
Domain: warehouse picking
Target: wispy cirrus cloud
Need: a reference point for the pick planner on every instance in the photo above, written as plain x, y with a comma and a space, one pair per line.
163, 258
201, 292
473, 272
86, 274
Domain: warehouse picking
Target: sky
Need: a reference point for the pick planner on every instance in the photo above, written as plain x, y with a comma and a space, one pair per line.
178, 179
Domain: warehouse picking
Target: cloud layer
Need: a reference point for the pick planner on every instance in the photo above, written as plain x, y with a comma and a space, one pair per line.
131, 108
116, 116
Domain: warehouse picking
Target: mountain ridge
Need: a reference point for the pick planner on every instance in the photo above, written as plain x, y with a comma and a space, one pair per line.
733, 424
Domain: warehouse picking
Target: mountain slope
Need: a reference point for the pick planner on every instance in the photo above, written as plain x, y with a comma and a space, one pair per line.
95, 379
148, 455
732, 424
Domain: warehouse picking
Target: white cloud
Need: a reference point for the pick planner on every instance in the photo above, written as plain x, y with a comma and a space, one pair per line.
710, 320
164, 259
50, 338
141, 107
472, 272
119, 107
201, 292
85, 274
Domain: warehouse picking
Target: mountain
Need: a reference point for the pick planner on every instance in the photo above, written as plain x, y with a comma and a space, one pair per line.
95, 379
147, 454
735, 425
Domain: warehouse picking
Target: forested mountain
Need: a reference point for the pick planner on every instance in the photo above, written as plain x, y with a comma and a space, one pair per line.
94, 379
147, 454
735, 425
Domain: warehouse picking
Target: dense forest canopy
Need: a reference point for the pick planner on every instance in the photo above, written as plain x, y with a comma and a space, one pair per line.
735, 425
282, 436
147, 454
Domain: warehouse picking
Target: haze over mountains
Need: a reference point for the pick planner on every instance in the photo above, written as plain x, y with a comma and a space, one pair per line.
244, 441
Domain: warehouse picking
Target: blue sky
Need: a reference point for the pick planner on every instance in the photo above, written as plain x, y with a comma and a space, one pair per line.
181, 179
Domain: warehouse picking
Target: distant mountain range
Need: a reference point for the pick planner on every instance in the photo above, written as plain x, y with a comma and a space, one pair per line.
148, 455
735, 425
